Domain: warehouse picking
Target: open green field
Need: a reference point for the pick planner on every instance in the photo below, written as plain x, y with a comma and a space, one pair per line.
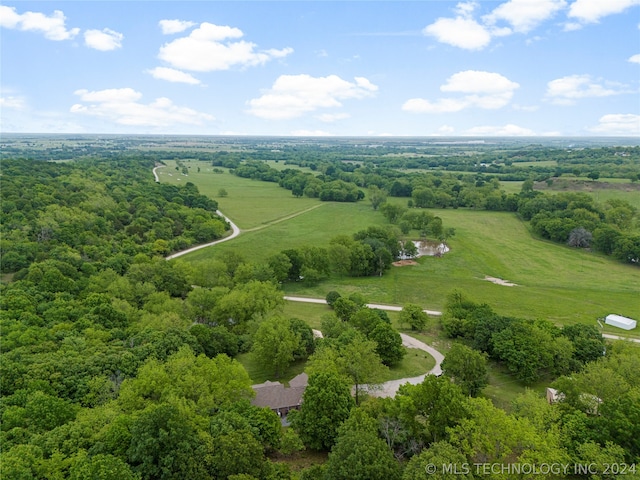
249, 203
541, 163
312, 227
511, 186
554, 281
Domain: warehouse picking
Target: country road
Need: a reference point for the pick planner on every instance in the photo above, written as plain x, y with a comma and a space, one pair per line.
377, 306
235, 232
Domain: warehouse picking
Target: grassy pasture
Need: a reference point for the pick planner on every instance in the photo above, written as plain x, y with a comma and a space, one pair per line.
511, 186
554, 281
541, 163
601, 191
313, 227
249, 203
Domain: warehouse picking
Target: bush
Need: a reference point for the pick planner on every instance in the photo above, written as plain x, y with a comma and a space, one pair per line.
331, 297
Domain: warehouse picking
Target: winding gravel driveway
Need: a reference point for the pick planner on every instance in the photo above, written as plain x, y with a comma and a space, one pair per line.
390, 388
235, 232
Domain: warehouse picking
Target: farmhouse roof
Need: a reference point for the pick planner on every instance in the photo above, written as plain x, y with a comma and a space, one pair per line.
275, 395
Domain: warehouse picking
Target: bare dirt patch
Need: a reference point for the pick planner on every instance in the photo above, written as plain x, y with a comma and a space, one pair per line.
499, 281
404, 263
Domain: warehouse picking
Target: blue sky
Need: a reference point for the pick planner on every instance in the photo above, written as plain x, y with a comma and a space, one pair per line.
356, 68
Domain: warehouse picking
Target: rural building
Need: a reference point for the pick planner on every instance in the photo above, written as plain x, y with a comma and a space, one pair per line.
279, 398
591, 402
553, 395
620, 322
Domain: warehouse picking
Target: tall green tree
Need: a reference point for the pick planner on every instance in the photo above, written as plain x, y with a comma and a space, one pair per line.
377, 196
359, 454
275, 344
388, 343
327, 402
441, 461
166, 444
467, 368
432, 407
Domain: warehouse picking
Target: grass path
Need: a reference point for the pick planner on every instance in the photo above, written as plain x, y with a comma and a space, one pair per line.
278, 220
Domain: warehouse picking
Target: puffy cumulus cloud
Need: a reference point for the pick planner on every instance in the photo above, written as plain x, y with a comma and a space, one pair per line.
591, 11
508, 130
481, 89
634, 58
624, 124
566, 90
173, 75
294, 95
459, 32
103, 40
214, 47
53, 26
121, 105
478, 81
170, 27
463, 31
525, 15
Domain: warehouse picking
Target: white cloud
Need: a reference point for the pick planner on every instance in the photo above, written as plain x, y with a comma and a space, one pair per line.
294, 95
53, 27
212, 47
618, 124
525, 15
13, 103
173, 75
566, 90
103, 40
174, 26
120, 105
591, 11
486, 90
477, 81
634, 58
332, 117
508, 130
460, 32
464, 31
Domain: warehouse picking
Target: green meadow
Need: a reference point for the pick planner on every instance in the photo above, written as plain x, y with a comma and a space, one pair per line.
601, 191
554, 281
249, 203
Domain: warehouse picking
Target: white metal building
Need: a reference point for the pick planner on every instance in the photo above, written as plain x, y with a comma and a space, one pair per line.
620, 321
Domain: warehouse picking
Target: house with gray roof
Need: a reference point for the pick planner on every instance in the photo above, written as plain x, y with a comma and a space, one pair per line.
279, 398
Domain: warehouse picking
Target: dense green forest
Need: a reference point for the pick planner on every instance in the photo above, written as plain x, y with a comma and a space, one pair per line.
118, 364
